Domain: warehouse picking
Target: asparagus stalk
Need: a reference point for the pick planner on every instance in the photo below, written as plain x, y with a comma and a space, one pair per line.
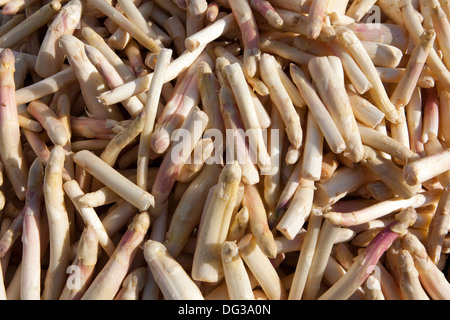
107, 283
10, 146
365, 262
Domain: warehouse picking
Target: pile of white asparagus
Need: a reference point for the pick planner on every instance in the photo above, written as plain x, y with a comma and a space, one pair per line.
227, 149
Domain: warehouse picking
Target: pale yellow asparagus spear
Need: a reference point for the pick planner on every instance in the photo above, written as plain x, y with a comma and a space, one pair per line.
258, 221
10, 146
89, 216
127, 25
30, 25
114, 180
50, 57
108, 281
172, 279
349, 39
150, 110
58, 225
236, 276
261, 268
214, 225
91, 82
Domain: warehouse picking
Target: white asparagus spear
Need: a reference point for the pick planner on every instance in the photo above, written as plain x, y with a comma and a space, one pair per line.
188, 213
409, 282
243, 98
364, 111
10, 146
315, 17
127, 25
210, 33
298, 210
214, 225
389, 173
438, 228
58, 225
328, 76
108, 281
50, 57
245, 19
114, 180
261, 268
172, 279
236, 276
272, 186
384, 143
49, 121
112, 78
45, 86
359, 8
352, 70
378, 92
30, 284
135, 15
89, 216
83, 266
142, 84
427, 167
177, 155
306, 255
317, 108
281, 99
150, 110
415, 29
405, 88
91, 82
432, 279
381, 209
30, 25
325, 242
258, 221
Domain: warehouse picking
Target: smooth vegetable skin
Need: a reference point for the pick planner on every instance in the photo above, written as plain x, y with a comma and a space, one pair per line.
224, 150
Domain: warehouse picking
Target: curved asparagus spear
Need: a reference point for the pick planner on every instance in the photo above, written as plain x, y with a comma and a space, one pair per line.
107, 283
91, 82
50, 57
382, 208
365, 262
10, 146
58, 225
